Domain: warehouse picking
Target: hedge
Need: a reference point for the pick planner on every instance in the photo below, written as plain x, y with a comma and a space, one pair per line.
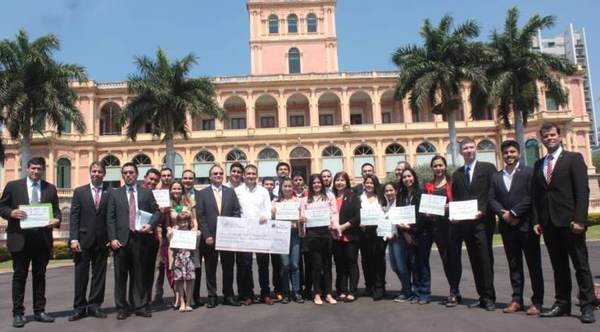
60, 251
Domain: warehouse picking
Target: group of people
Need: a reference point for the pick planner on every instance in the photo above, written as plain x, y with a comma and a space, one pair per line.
550, 199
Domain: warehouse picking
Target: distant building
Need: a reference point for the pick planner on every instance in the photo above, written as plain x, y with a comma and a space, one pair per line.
572, 45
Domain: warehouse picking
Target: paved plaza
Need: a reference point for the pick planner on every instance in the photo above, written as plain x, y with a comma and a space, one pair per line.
362, 315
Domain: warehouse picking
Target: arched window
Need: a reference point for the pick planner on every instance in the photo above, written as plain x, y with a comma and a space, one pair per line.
532, 151
273, 24
486, 151
109, 115
292, 21
178, 165
233, 156
459, 159
311, 23
63, 173
362, 154
113, 170
332, 159
300, 153
294, 60
203, 161
425, 151
267, 161
143, 164
394, 153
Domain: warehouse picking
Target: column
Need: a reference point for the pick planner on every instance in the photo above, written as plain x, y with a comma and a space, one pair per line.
219, 125
314, 109
376, 106
187, 158
51, 176
75, 179
406, 111
348, 164
315, 165
345, 106
250, 111
379, 160
281, 110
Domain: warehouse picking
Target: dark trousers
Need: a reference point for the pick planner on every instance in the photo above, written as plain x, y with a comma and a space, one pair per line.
210, 256
130, 263
262, 260
372, 257
422, 269
440, 237
319, 249
96, 258
152, 246
345, 255
244, 275
562, 244
37, 254
474, 234
306, 270
228, 260
276, 273
516, 244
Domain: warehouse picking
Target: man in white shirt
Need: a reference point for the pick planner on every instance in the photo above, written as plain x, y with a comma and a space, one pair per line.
256, 204
236, 170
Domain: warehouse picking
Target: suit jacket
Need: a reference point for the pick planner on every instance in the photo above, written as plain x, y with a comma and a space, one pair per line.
88, 225
478, 188
517, 200
207, 211
15, 194
350, 212
358, 189
567, 196
118, 212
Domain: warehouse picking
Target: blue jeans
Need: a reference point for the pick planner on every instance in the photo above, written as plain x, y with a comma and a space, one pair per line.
289, 265
402, 257
422, 280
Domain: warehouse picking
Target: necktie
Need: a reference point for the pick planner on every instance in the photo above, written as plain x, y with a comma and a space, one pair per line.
35, 197
132, 210
468, 175
549, 169
96, 198
217, 194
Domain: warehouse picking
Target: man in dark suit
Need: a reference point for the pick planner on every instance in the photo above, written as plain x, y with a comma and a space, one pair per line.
29, 246
211, 202
188, 179
88, 240
560, 196
127, 205
510, 200
472, 182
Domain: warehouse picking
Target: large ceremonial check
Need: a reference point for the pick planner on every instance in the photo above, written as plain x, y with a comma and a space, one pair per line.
248, 235
38, 215
433, 204
463, 210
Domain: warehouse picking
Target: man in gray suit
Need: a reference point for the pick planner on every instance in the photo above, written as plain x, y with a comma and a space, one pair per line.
127, 205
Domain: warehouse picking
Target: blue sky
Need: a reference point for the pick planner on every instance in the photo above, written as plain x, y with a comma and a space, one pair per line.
105, 35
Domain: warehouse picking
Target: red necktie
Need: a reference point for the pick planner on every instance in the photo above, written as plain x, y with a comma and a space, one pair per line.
97, 198
549, 169
131, 210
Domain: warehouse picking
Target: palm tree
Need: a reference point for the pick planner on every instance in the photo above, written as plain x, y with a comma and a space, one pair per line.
36, 89
516, 69
433, 74
164, 96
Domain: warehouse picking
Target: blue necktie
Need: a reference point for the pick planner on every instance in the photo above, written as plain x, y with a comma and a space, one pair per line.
468, 175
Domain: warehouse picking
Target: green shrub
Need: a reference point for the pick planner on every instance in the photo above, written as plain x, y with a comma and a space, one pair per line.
4, 254
62, 251
594, 218
596, 161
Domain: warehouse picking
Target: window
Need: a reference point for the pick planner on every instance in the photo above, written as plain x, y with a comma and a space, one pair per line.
332, 151
486, 151
355, 119
551, 103
425, 151
299, 153
425, 147
113, 170
273, 24
63, 173
386, 117
143, 164
67, 126
415, 115
296, 120
292, 21
203, 161
238, 123
208, 124
532, 151
363, 154
326, 119
236, 155
267, 122
394, 153
109, 115
267, 162
294, 60
311, 23
178, 163
332, 159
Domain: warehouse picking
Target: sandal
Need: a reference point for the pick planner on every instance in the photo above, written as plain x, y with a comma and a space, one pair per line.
330, 299
317, 300
349, 298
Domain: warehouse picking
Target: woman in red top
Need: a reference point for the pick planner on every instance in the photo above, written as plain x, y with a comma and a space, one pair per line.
441, 185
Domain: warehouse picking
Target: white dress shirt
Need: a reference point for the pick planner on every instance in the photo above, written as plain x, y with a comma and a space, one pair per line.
255, 202
555, 156
30, 189
508, 177
93, 190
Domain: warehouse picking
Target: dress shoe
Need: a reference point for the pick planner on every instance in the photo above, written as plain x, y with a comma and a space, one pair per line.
77, 315
121, 315
43, 317
453, 301
298, 298
143, 313
248, 301
96, 313
198, 303
512, 308
378, 294
212, 302
489, 306
18, 321
285, 300
534, 310
267, 300
229, 300
557, 311
158, 301
587, 316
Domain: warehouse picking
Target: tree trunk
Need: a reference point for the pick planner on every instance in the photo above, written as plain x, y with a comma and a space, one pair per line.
170, 156
25, 153
453, 138
520, 135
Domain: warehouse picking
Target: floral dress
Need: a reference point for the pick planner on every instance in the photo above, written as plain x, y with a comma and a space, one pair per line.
183, 260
